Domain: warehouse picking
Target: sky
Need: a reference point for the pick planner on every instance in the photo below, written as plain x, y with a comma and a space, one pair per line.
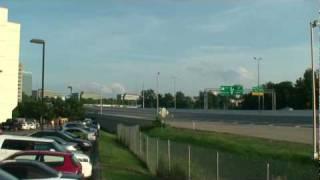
120, 45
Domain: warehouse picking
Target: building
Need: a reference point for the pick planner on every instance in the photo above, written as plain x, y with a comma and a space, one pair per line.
9, 65
27, 83
20, 82
46, 94
91, 95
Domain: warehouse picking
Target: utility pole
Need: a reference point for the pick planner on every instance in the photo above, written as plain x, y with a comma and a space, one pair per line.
258, 59
142, 95
157, 110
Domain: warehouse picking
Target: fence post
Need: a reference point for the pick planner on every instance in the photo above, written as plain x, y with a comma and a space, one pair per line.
157, 154
193, 125
189, 162
147, 149
268, 171
140, 144
169, 158
218, 166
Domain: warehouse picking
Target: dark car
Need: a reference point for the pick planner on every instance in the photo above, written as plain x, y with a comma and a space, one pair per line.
83, 144
29, 169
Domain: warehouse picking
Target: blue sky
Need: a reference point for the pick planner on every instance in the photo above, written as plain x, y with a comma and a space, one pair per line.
118, 45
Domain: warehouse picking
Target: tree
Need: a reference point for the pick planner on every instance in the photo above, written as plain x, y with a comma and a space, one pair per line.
149, 98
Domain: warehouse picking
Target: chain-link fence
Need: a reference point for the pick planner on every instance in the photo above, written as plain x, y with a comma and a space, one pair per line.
166, 158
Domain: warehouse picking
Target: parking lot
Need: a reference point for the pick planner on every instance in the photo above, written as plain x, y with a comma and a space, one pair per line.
49, 149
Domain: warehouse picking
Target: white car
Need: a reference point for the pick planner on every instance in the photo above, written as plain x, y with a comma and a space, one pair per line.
10, 144
25, 126
32, 125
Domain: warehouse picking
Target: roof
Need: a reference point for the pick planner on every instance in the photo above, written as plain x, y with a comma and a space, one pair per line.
53, 153
26, 138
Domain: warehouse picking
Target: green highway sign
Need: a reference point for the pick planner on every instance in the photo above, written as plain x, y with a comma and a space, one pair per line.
237, 90
225, 90
257, 91
231, 90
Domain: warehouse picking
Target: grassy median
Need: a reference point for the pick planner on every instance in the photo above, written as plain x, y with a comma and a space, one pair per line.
117, 162
236, 144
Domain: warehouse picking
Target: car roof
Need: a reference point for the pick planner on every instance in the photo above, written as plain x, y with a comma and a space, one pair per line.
26, 138
53, 153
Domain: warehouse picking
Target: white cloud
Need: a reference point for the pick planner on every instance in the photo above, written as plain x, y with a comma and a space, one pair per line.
114, 88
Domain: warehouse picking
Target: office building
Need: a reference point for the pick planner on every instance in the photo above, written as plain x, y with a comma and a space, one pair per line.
9, 65
27, 83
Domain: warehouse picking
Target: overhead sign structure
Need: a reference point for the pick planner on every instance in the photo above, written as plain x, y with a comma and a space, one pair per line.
257, 91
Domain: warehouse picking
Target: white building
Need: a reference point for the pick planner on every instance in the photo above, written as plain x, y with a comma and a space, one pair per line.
9, 64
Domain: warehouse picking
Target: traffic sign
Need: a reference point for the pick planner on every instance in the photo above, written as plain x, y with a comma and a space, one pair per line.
237, 90
226, 90
257, 91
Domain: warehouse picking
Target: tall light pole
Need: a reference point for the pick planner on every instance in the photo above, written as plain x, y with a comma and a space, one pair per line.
157, 110
175, 92
101, 102
42, 42
258, 59
313, 25
143, 95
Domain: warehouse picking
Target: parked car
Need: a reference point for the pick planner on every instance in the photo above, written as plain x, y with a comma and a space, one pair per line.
83, 144
82, 133
10, 144
77, 124
70, 146
32, 125
10, 124
24, 126
60, 161
29, 169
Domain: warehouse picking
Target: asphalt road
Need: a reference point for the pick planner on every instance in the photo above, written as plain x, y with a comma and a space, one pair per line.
277, 118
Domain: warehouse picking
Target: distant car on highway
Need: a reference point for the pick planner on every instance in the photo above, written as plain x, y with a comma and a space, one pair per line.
34, 170
60, 161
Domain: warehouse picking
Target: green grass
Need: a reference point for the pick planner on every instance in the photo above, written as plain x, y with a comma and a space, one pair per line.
117, 162
256, 148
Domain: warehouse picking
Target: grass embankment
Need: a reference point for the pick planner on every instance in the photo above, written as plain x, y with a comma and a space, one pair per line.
117, 162
236, 144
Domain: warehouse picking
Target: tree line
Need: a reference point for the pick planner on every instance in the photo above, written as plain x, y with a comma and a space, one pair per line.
296, 95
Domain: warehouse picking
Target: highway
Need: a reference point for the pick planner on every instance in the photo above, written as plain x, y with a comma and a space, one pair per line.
294, 126
276, 118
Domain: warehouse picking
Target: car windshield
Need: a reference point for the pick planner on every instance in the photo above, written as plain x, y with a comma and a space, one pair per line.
59, 148
57, 139
70, 134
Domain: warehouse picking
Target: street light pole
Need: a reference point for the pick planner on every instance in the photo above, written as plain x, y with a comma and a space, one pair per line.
157, 110
175, 92
101, 102
314, 116
258, 59
42, 42
143, 95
